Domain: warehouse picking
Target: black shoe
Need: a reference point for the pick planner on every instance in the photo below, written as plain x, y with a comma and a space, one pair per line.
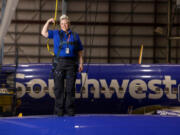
60, 114
71, 114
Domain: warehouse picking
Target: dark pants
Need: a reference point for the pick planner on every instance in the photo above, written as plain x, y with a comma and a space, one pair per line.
64, 81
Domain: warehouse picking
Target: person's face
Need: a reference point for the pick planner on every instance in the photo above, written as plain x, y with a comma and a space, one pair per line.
64, 25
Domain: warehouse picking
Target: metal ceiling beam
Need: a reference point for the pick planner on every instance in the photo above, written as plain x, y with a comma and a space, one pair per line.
96, 23
109, 34
8, 15
5, 22
169, 31
2, 41
64, 7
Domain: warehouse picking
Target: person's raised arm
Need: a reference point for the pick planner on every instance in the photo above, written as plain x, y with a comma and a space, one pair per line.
44, 31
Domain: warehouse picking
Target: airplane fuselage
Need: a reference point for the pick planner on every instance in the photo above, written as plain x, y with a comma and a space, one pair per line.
101, 88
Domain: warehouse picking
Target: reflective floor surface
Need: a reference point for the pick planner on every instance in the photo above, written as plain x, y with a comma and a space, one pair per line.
90, 125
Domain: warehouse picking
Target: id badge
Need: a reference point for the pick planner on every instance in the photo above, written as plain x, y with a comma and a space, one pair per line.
67, 50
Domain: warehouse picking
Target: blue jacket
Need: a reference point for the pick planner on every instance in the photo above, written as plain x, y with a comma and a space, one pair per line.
66, 40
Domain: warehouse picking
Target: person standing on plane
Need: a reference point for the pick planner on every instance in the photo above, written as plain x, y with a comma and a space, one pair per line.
68, 52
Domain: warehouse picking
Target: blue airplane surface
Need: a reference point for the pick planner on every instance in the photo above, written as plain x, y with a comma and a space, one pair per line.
91, 125
100, 88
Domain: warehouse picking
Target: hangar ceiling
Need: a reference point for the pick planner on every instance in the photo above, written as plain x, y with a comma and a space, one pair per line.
111, 31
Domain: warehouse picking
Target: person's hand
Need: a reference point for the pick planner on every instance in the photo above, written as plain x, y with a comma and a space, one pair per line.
51, 20
80, 67
44, 31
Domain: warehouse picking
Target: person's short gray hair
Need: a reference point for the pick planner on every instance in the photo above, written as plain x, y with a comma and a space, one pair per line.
64, 17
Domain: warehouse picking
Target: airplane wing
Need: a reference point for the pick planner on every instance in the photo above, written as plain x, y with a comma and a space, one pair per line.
90, 125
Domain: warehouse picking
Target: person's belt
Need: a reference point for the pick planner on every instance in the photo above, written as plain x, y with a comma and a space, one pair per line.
67, 58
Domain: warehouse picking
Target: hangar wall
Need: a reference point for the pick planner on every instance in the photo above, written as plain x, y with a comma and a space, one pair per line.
111, 31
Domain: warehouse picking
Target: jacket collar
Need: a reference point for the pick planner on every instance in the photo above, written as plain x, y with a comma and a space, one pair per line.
69, 31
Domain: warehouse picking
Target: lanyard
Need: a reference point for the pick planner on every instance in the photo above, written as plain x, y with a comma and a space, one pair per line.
68, 38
